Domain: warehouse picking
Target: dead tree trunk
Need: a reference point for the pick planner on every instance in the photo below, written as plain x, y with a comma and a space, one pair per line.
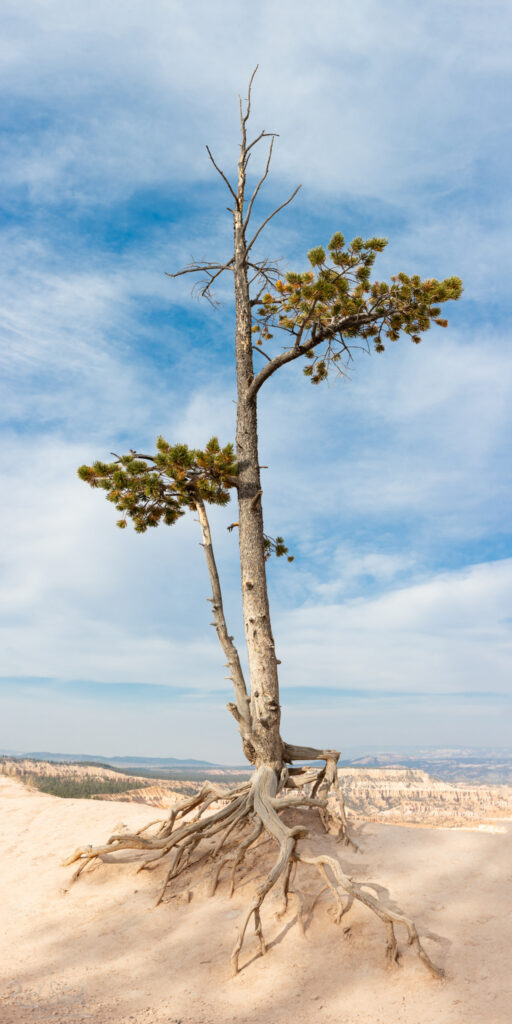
264, 682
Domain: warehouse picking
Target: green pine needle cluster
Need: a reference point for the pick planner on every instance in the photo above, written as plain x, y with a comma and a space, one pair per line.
276, 546
149, 489
335, 302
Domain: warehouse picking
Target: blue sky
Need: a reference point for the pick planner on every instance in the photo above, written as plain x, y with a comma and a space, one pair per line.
394, 623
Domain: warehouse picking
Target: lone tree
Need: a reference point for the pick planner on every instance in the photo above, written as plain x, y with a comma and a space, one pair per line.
323, 314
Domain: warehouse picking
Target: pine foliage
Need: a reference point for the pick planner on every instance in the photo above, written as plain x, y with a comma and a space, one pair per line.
149, 489
335, 304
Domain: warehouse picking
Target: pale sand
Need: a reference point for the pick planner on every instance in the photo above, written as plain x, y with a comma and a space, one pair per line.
113, 959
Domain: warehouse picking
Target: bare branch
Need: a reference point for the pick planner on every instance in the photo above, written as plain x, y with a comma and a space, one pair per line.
256, 348
223, 176
268, 281
205, 292
139, 455
262, 135
200, 268
260, 183
292, 752
265, 222
251, 144
212, 272
245, 117
266, 267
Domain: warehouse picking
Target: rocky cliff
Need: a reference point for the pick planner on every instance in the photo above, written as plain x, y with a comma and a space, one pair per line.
411, 796
25, 767
398, 795
160, 794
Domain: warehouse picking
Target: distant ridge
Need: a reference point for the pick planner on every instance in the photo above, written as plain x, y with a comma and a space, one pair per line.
153, 762
485, 765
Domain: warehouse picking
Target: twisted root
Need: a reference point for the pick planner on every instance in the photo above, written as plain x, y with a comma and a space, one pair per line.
246, 813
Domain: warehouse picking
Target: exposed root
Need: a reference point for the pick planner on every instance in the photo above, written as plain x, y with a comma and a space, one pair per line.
241, 852
342, 884
235, 823
323, 781
262, 890
289, 876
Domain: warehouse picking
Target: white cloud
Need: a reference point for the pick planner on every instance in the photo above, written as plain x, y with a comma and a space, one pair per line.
75, 348
349, 570
450, 633
414, 445
371, 100
81, 599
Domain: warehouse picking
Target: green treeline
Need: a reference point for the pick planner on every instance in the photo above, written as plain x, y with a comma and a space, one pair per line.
83, 788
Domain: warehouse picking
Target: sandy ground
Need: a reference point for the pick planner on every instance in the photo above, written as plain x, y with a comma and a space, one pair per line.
100, 952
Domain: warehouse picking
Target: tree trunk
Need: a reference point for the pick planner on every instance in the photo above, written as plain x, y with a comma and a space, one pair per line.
264, 683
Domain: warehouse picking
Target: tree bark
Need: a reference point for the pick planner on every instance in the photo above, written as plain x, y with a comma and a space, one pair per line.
264, 682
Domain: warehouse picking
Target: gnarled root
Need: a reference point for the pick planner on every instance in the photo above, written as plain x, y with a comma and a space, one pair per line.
237, 822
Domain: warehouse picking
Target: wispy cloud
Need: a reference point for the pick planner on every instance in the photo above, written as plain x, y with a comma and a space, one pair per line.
377, 99
448, 633
392, 489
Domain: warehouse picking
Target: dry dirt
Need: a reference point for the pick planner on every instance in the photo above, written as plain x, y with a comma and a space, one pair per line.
99, 952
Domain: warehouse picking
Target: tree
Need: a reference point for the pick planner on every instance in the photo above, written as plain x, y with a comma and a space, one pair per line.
324, 314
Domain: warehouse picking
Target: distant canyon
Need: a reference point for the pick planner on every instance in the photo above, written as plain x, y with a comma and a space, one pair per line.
408, 796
